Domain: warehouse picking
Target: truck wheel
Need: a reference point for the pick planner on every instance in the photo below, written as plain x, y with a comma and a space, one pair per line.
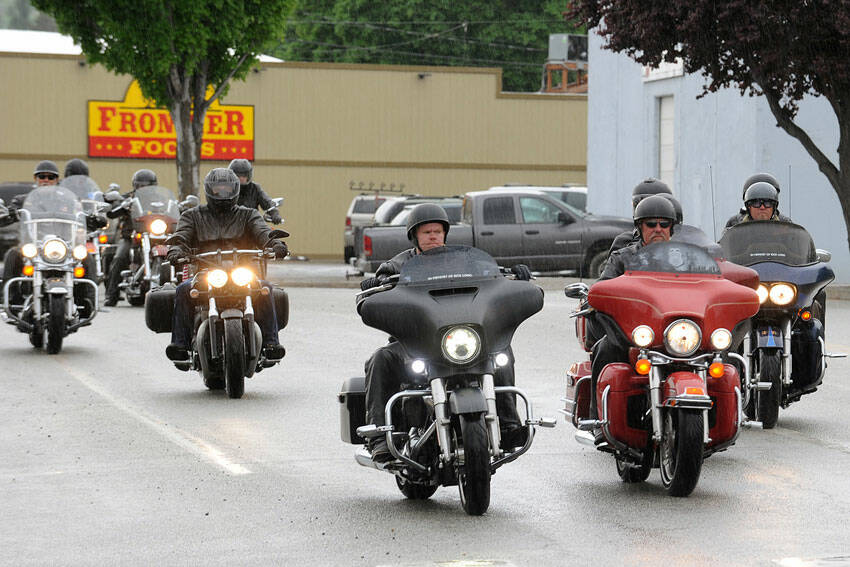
594, 266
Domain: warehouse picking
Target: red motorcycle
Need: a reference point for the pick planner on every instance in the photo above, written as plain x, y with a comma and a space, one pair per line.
678, 311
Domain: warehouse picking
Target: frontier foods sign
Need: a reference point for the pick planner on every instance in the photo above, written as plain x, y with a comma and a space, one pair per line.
137, 128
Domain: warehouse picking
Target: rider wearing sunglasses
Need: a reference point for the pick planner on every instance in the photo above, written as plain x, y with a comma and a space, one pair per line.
761, 209
46, 173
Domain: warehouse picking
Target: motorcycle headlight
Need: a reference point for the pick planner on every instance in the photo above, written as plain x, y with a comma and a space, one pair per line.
217, 278
461, 344
54, 250
242, 276
682, 337
29, 250
763, 293
643, 336
80, 252
158, 227
782, 293
721, 339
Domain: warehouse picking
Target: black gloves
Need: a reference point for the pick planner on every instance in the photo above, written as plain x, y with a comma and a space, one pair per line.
369, 283
275, 217
95, 221
175, 256
280, 249
522, 272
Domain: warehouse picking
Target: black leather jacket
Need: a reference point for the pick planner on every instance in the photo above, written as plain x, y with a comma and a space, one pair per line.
251, 195
122, 216
203, 230
393, 266
615, 266
743, 216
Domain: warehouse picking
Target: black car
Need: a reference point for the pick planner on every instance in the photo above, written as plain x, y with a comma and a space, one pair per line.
8, 191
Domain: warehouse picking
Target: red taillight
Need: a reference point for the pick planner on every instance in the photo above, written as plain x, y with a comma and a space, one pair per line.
347, 221
367, 245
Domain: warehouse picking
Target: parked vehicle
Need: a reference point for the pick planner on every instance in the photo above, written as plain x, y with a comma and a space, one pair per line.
785, 348
361, 211
677, 402
8, 191
53, 247
448, 433
524, 226
227, 342
573, 195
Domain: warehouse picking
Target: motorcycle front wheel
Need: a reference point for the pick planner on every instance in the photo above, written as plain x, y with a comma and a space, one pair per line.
474, 476
681, 450
234, 358
415, 491
55, 324
770, 370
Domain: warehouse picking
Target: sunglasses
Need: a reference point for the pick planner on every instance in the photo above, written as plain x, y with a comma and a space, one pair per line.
654, 223
47, 176
758, 203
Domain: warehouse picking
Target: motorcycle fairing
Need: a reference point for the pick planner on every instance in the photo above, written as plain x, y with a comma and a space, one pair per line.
808, 280
768, 336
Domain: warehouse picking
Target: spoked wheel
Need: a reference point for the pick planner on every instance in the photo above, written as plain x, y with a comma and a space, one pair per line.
474, 475
234, 358
56, 324
415, 491
681, 450
770, 370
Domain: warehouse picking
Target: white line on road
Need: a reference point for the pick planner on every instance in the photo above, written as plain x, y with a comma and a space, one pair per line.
183, 439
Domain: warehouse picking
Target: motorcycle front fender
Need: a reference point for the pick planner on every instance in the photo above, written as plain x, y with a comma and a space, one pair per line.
686, 390
467, 400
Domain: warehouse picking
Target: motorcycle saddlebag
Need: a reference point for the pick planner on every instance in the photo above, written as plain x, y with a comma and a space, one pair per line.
723, 416
577, 399
626, 403
159, 308
352, 409
281, 307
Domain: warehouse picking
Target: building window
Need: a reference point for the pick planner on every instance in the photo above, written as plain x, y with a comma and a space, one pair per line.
666, 140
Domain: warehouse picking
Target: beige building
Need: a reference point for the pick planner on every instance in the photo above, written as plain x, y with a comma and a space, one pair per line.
322, 133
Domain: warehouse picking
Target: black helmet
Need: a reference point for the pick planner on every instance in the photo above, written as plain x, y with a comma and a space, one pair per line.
655, 207
762, 190
76, 166
222, 188
766, 177
647, 187
676, 205
143, 178
423, 214
242, 167
46, 166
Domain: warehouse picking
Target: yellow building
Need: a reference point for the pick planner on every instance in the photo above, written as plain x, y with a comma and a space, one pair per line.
320, 133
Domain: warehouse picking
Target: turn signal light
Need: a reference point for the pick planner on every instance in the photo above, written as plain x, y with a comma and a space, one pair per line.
103, 239
805, 315
643, 366
29, 270
79, 272
138, 236
716, 370
694, 391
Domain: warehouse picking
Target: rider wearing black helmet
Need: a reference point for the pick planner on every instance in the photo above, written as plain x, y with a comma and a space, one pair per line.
76, 166
121, 212
221, 223
647, 187
251, 195
46, 173
427, 227
745, 213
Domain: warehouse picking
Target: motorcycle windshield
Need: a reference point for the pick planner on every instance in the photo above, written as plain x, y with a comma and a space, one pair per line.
52, 211
446, 287
671, 257
752, 242
155, 200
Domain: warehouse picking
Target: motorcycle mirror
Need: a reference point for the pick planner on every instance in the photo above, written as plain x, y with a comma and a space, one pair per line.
576, 290
823, 255
2, 203
277, 201
112, 196
114, 187
277, 233
189, 202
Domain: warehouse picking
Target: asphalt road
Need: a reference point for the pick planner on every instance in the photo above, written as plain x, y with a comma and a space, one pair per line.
111, 456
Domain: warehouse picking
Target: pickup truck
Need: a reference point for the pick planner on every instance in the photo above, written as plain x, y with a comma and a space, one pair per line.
525, 226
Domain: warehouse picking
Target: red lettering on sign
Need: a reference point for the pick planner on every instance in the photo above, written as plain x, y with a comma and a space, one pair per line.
166, 126
234, 121
213, 121
106, 114
146, 122
128, 121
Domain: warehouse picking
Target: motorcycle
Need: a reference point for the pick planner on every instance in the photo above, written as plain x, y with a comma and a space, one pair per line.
227, 344
92, 201
677, 402
785, 348
53, 248
442, 429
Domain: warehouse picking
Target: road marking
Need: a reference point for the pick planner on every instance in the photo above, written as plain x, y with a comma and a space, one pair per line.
837, 561
455, 563
195, 445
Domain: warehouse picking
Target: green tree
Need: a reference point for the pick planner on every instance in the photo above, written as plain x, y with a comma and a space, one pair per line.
780, 49
175, 50
512, 34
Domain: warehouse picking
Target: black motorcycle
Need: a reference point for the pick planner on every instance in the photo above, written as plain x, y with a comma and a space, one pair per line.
93, 203
227, 343
784, 350
454, 314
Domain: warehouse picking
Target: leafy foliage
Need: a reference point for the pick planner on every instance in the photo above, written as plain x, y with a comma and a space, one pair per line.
512, 34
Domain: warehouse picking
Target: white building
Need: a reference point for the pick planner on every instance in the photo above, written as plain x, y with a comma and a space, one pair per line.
643, 123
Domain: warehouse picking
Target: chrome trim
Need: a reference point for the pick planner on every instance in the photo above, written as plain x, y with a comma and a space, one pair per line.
618, 445
745, 379
655, 399
786, 355
492, 417
388, 417
530, 423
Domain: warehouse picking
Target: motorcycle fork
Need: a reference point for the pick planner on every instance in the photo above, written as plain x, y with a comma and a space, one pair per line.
441, 418
492, 418
212, 329
655, 402
37, 294
146, 255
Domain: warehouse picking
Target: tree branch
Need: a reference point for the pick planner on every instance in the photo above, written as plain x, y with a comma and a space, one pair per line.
223, 83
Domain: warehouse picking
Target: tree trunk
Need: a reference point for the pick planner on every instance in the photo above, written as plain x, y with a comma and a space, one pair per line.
188, 150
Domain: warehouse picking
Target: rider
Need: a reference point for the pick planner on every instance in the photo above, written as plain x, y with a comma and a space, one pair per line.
427, 227
121, 259
647, 187
76, 166
654, 218
251, 195
221, 223
745, 212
